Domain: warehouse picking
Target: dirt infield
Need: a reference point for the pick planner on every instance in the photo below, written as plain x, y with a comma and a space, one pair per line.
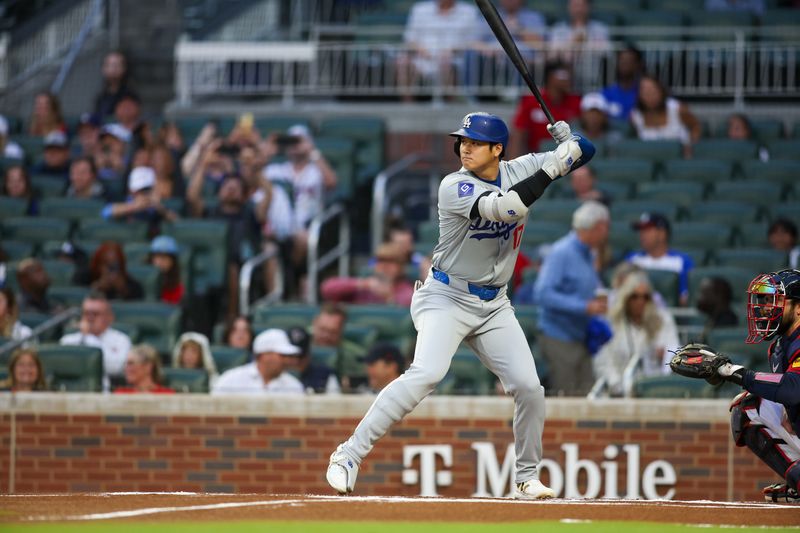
205, 507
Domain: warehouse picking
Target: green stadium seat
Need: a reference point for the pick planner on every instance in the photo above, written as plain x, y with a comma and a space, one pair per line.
72, 368
725, 149
753, 259
227, 357
369, 134
681, 193
466, 376
752, 235
35, 230
672, 386
60, 272
555, 210
738, 277
279, 124
285, 316
767, 129
609, 18
623, 170
69, 295
158, 323
700, 234
731, 213
48, 186
615, 190
93, 229
643, 20
340, 154
360, 335
730, 341
391, 322
708, 171
683, 6
12, 207
16, 250
325, 355
615, 6
721, 23
700, 256
553, 10
190, 127
666, 283
32, 145
428, 231
150, 279
749, 192
631, 210
773, 172
786, 211
52, 249
186, 379
72, 209
538, 232
207, 240
785, 19
656, 151
622, 237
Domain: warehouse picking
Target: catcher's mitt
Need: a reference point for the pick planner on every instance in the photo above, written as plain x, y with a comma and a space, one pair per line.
698, 361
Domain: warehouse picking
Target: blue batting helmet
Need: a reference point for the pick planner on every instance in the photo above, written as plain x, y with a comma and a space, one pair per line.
480, 126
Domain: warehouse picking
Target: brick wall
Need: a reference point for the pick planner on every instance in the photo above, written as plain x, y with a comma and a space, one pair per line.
80, 443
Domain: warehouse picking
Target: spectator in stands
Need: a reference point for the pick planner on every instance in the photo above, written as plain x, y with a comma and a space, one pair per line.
46, 117
109, 274
115, 84
128, 112
782, 236
401, 236
580, 41
88, 132
193, 156
316, 377
143, 204
582, 186
143, 372
594, 118
267, 373
8, 148
566, 292
33, 283
75, 255
169, 135
55, 158
168, 182
110, 156
387, 285
714, 295
756, 7
164, 256
530, 122
656, 254
239, 333
384, 363
621, 96
25, 372
83, 181
327, 329
193, 351
657, 116
17, 184
640, 328
739, 128
10, 326
435, 34
94, 329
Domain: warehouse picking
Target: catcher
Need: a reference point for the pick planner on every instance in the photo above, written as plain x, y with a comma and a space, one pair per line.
766, 417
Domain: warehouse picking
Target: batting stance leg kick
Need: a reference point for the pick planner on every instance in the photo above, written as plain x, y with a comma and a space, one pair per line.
482, 212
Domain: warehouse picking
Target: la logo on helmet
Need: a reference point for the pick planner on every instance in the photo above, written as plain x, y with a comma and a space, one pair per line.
467, 122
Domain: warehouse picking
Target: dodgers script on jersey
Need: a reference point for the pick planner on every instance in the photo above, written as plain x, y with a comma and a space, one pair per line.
477, 250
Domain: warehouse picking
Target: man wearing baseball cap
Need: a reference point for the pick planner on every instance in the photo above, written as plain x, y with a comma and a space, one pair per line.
314, 375
384, 364
55, 158
656, 254
143, 204
267, 373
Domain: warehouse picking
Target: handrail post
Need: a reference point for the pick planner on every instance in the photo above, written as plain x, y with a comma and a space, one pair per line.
246, 278
340, 253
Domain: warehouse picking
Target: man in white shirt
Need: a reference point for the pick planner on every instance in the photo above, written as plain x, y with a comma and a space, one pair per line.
267, 373
95, 330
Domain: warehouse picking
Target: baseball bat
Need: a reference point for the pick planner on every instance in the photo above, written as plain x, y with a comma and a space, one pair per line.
507, 42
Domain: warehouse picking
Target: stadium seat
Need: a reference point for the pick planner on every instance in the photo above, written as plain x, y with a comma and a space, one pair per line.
752, 235
35, 230
538, 232
150, 279
738, 277
700, 256
615, 190
730, 341
528, 318
466, 376
730, 213
12, 207
368, 133
359, 334
725, 150
615, 6
630, 211
60, 272
69, 295
681, 193
609, 18
753, 192
721, 24
700, 234
93, 229
325, 355
190, 127
672, 386
553, 10
622, 237
158, 323
786, 211
785, 19
391, 322
47, 186
72, 368
767, 129
340, 154
16, 250
653, 18
623, 170
666, 283
683, 6
71, 209
285, 316
32, 145
279, 124
555, 210
186, 379
227, 357
772, 172
207, 240
657, 151
708, 171
51, 249
428, 231
753, 259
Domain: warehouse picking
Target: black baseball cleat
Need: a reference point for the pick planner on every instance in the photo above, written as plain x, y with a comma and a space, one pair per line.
780, 493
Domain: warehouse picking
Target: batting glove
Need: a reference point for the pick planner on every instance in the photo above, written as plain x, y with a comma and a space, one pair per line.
560, 131
559, 162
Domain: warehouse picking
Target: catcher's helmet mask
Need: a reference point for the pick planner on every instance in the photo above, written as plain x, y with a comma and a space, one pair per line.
767, 296
481, 126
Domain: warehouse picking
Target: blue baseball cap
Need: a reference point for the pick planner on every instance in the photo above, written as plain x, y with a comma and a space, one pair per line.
164, 244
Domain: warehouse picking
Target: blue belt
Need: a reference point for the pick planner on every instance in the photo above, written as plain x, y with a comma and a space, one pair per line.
485, 292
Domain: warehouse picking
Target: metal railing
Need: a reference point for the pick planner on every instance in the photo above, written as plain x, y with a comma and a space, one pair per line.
339, 253
736, 68
93, 19
44, 327
246, 279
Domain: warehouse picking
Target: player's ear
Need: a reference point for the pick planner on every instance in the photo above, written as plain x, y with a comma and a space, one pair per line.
497, 150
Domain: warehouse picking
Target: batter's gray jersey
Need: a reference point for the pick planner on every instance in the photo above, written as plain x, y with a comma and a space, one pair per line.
479, 251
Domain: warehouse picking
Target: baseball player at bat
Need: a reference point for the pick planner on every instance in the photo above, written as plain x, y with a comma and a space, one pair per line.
482, 212
766, 417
